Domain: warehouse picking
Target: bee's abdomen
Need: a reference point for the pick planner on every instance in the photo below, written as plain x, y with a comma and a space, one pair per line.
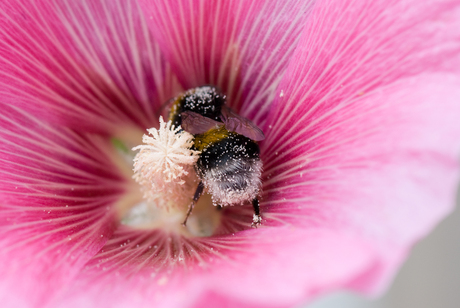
234, 147
231, 169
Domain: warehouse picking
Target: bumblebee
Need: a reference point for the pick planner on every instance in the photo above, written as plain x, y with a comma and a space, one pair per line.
229, 166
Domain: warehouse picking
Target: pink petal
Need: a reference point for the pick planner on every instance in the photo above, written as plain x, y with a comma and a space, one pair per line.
372, 144
91, 65
241, 46
57, 189
269, 267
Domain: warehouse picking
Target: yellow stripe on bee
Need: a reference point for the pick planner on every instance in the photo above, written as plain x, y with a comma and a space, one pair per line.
175, 108
210, 137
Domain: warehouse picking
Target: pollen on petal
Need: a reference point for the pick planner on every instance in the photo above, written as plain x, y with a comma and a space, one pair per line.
164, 164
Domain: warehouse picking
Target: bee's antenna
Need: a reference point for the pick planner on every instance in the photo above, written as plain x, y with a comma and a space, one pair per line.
165, 106
198, 193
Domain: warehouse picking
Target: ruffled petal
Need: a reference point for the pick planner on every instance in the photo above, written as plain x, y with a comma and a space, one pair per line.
91, 65
58, 190
371, 148
241, 46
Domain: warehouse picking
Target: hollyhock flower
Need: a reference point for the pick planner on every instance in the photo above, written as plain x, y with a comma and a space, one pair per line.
358, 100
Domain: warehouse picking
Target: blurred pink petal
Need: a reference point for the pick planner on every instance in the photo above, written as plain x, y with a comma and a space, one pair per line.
358, 101
244, 47
57, 190
373, 148
89, 65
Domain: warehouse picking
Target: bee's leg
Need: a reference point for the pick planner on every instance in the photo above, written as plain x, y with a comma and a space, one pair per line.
256, 219
198, 193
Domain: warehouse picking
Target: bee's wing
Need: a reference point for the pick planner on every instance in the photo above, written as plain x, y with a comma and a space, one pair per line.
195, 123
238, 124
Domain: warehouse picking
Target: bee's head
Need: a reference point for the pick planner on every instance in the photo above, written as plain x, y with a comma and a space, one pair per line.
206, 101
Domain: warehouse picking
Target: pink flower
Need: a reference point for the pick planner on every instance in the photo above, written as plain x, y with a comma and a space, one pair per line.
359, 101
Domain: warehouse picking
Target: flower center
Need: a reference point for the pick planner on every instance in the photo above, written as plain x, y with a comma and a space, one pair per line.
163, 169
164, 166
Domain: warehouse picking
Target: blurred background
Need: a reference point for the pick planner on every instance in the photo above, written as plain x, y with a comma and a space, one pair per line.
430, 278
